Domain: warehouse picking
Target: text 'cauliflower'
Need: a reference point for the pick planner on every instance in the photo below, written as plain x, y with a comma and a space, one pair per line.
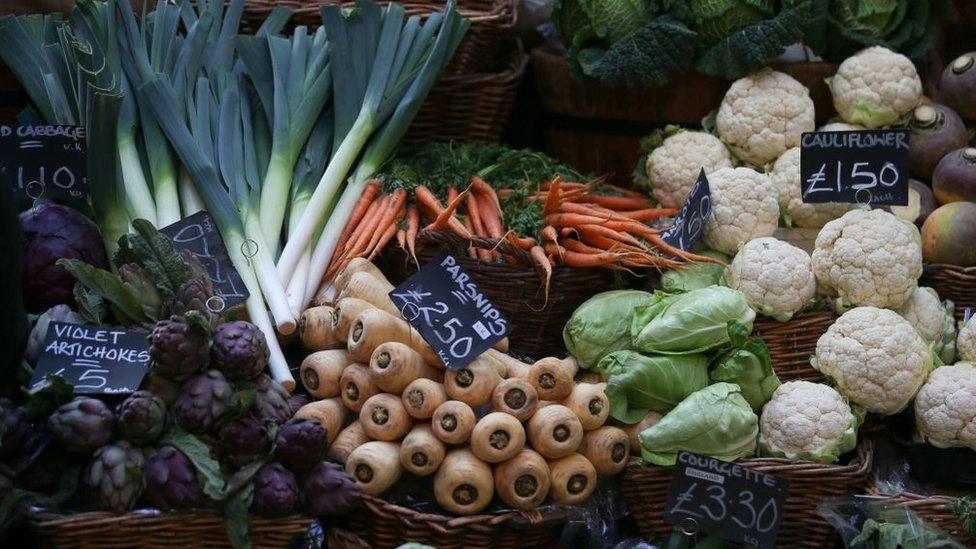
945, 409
775, 277
744, 207
808, 421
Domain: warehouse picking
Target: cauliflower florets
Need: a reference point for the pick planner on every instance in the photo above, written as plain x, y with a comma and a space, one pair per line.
743, 207
868, 258
840, 127
875, 87
876, 358
673, 168
966, 341
809, 421
945, 409
786, 176
933, 320
764, 114
775, 277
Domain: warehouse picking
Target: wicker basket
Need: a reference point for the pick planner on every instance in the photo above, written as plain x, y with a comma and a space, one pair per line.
952, 282
935, 509
516, 290
791, 343
645, 489
383, 525
470, 106
153, 529
492, 22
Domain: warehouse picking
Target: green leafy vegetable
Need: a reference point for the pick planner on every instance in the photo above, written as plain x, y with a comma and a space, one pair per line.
905, 530
601, 325
237, 519
123, 298
748, 365
694, 276
198, 453
639, 384
692, 322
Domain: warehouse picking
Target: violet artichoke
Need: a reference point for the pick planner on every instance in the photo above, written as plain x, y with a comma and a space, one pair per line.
296, 401
242, 441
178, 349
301, 444
193, 296
202, 401
114, 476
141, 417
271, 400
327, 490
275, 491
239, 350
171, 480
82, 425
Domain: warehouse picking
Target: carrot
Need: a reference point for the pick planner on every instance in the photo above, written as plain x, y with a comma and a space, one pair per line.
383, 241
386, 222
605, 237
477, 226
521, 242
573, 245
413, 227
577, 259
368, 224
451, 193
427, 200
359, 211
447, 214
552, 198
539, 256
551, 238
618, 202
650, 214
571, 219
624, 191
481, 187
472, 250
401, 236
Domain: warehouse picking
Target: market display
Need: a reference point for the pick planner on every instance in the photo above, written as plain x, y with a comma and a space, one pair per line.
755, 322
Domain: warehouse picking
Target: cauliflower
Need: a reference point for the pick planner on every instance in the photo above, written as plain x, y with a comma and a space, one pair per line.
764, 114
786, 176
743, 207
945, 409
840, 127
876, 358
875, 87
868, 257
809, 421
966, 341
673, 168
933, 320
775, 277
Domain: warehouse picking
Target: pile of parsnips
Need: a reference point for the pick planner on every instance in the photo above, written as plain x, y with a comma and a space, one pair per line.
523, 431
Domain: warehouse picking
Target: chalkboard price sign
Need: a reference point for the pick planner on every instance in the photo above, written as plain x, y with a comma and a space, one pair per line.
856, 167
726, 500
199, 235
451, 313
94, 359
43, 161
690, 223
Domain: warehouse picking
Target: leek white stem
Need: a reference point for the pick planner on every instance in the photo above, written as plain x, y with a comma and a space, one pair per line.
167, 198
274, 197
137, 190
271, 285
190, 199
296, 287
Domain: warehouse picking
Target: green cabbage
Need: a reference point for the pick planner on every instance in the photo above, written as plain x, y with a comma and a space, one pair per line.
692, 322
695, 275
639, 384
601, 325
715, 421
747, 364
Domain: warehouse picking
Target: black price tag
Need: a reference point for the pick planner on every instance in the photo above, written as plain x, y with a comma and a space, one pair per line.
726, 500
690, 223
43, 161
198, 234
451, 313
859, 167
967, 314
94, 359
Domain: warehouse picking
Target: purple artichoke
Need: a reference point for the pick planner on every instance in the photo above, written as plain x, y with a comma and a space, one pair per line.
114, 476
327, 490
178, 349
193, 296
271, 400
202, 401
171, 480
15, 428
144, 286
50, 232
275, 491
168, 391
82, 425
239, 350
242, 441
301, 444
141, 417
296, 401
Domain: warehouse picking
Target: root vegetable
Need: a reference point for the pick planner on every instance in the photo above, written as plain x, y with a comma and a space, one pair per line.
422, 397
497, 437
523, 481
316, 329
358, 265
516, 397
505, 365
634, 431
421, 453
374, 327
463, 484
589, 376
356, 386
590, 404
501, 346
350, 438
346, 311
453, 422
472, 384
553, 378
573, 479
329, 413
375, 466
394, 365
321, 370
367, 287
555, 431
607, 448
384, 417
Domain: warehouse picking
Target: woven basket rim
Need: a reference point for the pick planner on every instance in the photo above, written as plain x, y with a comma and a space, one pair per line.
906, 496
444, 523
503, 12
512, 73
47, 518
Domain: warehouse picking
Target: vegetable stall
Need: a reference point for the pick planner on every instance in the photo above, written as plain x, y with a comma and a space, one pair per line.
332, 274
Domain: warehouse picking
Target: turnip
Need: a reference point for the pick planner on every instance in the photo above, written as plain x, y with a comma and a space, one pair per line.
954, 178
957, 87
935, 131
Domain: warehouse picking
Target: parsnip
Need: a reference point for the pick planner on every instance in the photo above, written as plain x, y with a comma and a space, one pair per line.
316, 329
375, 466
346, 311
506, 366
422, 396
365, 286
555, 431
356, 386
453, 422
553, 378
374, 327
321, 370
358, 265
516, 397
523, 481
395, 365
463, 484
497, 437
349, 439
573, 479
472, 384
607, 448
329, 413
590, 404
634, 431
421, 453
384, 418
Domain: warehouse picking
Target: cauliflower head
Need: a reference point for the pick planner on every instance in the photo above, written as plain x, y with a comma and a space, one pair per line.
966, 341
786, 176
934, 321
808, 421
673, 168
775, 276
744, 207
868, 257
764, 114
875, 87
945, 409
876, 358
840, 127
